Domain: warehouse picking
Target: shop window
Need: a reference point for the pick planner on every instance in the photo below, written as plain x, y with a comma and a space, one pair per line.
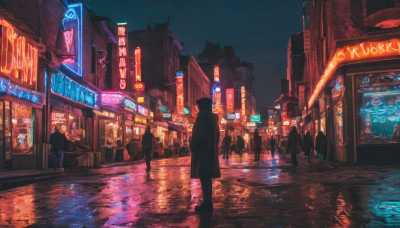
338, 122
7, 130
129, 131
378, 100
71, 125
109, 132
22, 128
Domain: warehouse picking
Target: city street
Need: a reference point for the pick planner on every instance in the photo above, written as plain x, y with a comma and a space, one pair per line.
250, 194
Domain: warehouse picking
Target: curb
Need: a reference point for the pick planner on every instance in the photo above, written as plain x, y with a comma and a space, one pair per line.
17, 181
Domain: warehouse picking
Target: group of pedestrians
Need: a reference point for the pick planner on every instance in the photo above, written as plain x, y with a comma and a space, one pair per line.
227, 145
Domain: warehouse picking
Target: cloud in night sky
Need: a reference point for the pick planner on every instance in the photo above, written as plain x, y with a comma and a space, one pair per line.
258, 29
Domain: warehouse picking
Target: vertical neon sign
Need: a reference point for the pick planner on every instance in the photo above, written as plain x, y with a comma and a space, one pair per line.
138, 70
229, 100
216, 73
179, 93
122, 55
72, 39
243, 101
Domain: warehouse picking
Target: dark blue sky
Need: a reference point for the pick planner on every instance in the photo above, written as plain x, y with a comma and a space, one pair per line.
258, 29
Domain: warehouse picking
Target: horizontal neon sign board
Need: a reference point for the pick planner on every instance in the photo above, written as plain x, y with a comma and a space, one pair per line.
112, 98
255, 118
7, 87
68, 88
129, 104
361, 51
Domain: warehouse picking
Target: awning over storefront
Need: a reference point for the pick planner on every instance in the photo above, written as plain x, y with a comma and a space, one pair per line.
174, 127
161, 124
237, 126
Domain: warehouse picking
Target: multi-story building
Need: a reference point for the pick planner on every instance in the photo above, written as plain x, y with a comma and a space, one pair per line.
352, 76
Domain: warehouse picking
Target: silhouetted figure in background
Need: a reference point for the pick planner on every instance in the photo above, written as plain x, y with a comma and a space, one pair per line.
308, 146
240, 145
204, 145
272, 146
294, 145
257, 145
148, 146
321, 145
57, 142
226, 145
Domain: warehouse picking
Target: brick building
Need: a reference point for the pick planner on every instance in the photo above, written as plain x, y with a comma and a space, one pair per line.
352, 76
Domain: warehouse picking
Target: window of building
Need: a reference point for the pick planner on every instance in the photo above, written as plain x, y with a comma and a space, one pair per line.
22, 128
378, 100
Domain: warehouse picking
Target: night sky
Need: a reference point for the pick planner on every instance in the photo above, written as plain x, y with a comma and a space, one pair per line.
258, 29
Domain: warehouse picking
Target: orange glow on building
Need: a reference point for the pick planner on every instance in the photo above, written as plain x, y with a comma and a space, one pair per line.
122, 55
362, 51
138, 70
243, 101
229, 100
19, 56
217, 100
216, 73
179, 93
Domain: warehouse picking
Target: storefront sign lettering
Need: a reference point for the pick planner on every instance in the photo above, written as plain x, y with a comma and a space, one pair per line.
19, 55
179, 93
243, 101
138, 70
229, 99
68, 88
111, 98
140, 120
122, 54
9, 88
362, 51
216, 73
129, 104
143, 111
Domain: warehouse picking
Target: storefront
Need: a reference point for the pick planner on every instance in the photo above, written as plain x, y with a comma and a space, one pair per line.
21, 104
356, 104
110, 128
72, 105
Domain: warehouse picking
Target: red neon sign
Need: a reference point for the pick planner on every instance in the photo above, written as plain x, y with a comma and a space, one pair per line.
229, 100
365, 50
138, 71
139, 86
216, 73
19, 57
243, 101
69, 40
122, 54
179, 94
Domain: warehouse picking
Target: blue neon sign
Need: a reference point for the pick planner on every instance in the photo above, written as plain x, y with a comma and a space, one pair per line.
68, 88
7, 87
129, 104
72, 21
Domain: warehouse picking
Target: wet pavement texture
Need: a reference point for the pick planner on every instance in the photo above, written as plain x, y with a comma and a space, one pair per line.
266, 193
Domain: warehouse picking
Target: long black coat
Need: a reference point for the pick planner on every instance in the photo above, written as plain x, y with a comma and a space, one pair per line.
321, 144
204, 146
294, 142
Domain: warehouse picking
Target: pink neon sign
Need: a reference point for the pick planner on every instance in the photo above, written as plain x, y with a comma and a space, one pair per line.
111, 98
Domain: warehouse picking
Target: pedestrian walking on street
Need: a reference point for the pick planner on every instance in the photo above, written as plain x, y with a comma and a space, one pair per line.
204, 146
240, 144
321, 145
148, 146
294, 145
257, 145
119, 153
57, 142
272, 144
308, 146
226, 145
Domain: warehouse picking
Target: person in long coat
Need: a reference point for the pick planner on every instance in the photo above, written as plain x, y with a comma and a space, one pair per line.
226, 145
257, 145
308, 146
204, 146
321, 145
294, 143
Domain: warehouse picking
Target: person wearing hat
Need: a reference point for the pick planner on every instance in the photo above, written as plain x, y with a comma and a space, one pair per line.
204, 146
57, 142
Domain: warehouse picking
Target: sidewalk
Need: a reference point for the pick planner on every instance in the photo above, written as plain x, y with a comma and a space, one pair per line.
11, 179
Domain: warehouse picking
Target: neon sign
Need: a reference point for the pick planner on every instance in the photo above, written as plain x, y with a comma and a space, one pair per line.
142, 110
217, 99
229, 100
179, 93
255, 118
72, 39
129, 104
140, 120
122, 54
243, 103
7, 87
110, 98
365, 50
19, 56
139, 86
138, 70
216, 73
68, 88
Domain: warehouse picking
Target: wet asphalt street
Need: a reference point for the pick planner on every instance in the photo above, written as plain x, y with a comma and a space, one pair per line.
250, 194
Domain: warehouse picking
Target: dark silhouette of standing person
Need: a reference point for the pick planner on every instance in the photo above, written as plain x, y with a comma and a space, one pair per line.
272, 146
240, 144
204, 146
226, 145
308, 146
321, 145
257, 145
57, 142
294, 144
148, 146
